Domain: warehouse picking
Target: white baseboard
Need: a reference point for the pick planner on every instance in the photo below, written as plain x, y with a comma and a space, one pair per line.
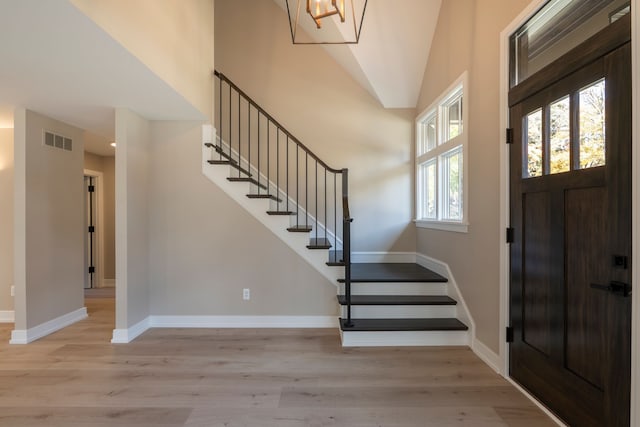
294, 322
442, 268
7, 316
125, 336
487, 355
404, 338
25, 336
378, 257
109, 283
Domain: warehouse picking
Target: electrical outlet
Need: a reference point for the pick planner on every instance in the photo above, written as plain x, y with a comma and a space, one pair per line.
246, 294
13, 291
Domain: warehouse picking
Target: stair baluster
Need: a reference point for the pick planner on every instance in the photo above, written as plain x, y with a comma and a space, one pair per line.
259, 166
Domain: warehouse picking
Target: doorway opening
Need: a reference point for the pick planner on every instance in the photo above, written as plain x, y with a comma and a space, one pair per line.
94, 237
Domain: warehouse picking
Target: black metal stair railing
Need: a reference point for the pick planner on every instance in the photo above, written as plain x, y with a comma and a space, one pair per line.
278, 167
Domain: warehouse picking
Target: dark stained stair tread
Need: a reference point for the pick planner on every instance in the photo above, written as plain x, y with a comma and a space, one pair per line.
221, 162
263, 196
390, 272
221, 152
247, 179
282, 213
319, 243
335, 259
300, 229
398, 300
437, 324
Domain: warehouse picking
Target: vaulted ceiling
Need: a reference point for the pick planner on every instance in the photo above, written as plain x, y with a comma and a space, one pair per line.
58, 62
391, 57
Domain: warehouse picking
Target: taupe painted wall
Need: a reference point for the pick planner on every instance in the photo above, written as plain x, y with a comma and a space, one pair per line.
6, 219
313, 97
49, 245
174, 38
132, 218
467, 38
109, 192
106, 165
204, 248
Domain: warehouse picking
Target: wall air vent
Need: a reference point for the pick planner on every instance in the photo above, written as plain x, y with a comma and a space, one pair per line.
58, 141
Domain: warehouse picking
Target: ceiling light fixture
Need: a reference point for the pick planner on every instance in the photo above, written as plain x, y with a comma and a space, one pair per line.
113, 144
319, 12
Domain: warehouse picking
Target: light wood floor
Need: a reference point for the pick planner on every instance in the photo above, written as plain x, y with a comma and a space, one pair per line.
265, 378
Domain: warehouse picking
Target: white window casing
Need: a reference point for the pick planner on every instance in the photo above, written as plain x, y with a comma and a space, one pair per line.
441, 162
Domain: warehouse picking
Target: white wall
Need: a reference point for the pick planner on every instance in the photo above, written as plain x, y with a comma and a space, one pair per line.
204, 248
132, 218
6, 219
314, 98
49, 222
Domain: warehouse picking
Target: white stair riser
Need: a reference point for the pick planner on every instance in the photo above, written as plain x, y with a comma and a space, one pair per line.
396, 288
400, 311
404, 338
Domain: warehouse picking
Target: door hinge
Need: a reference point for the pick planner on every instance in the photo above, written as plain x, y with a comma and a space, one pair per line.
91, 188
509, 135
509, 334
92, 229
510, 234
92, 269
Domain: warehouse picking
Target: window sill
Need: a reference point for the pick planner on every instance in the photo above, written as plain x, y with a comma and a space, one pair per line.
457, 227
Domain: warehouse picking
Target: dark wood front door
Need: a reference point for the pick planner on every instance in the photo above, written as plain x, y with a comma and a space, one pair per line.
570, 178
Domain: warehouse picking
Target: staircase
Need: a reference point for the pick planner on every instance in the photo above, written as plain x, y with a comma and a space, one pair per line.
306, 203
399, 304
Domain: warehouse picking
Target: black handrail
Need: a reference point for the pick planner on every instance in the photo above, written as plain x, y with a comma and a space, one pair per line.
274, 121
308, 196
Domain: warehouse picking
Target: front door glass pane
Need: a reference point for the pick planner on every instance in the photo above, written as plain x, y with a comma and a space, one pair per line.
534, 144
560, 136
592, 125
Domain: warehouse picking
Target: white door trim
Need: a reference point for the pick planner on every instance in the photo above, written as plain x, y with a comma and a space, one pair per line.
529, 11
99, 261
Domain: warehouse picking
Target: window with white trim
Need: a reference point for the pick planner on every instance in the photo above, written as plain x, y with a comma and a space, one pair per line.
441, 156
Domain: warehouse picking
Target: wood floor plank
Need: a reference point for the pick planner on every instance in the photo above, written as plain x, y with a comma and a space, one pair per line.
347, 417
524, 417
346, 397
241, 377
94, 417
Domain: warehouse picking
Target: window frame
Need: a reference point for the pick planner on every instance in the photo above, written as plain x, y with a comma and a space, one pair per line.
439, 109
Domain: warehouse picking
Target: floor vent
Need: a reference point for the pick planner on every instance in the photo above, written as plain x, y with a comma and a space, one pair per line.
58, 141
